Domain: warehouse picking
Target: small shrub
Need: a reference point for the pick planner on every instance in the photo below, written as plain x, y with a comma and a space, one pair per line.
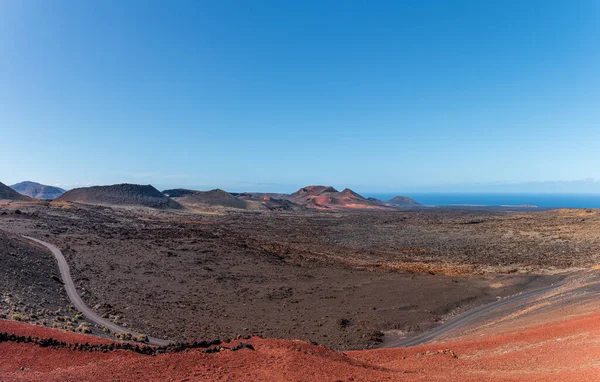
125, 336
83, 328
19, 317
142, 338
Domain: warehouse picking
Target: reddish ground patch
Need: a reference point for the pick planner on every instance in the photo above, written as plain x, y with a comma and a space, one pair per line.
566, 350
25, 329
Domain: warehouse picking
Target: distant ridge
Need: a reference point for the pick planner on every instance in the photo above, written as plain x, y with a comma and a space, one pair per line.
310, 191
216, 197
403, 202
328, 198
268, 201
121, 195
37, 190
7, 193
277, 204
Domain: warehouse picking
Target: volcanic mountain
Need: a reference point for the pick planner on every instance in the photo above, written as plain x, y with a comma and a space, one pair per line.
327, 197
215, 197
259, 195
38, 191
403, 202
121, 195
7, 193
276, 204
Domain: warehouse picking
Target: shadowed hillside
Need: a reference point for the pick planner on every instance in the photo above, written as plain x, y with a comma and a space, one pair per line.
7, 193
403, 202
121, 195
215, 197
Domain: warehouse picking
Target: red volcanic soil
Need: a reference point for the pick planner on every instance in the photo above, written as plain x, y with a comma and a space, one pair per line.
328, 198
566, 350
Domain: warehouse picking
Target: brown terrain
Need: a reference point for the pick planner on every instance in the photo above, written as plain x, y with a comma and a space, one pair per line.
327, 198
343, 278
311, 197
121, 195
269, 202
215, 197
29, 286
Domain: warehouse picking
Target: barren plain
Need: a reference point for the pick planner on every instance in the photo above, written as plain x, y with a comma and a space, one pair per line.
341, 279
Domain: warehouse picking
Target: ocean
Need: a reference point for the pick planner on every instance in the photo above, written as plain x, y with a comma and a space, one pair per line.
497, 199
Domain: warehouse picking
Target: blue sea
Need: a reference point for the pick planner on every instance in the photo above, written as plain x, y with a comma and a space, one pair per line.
497, 199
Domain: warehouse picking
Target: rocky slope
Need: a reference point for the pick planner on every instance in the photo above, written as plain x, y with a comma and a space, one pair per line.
121, 195
29, 288
403, 202
215, 197
37, 190
7, 193
328, 198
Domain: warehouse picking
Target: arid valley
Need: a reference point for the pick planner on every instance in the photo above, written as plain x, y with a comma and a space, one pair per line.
335, 276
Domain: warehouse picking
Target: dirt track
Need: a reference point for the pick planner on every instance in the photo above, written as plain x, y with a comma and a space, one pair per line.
78, 302
468, 317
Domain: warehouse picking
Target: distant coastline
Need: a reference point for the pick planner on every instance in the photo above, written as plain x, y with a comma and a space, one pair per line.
504, 200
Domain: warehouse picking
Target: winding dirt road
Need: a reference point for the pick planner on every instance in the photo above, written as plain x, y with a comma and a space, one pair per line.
469, 317
78, 302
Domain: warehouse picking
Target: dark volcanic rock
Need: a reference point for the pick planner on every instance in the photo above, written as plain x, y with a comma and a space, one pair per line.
403, 201
215, 197
26, 278
121, 195
7, 193
275, 204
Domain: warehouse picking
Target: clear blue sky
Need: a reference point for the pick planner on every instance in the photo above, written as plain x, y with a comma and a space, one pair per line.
273, 95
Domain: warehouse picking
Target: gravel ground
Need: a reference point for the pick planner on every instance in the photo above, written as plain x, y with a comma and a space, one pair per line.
339, 279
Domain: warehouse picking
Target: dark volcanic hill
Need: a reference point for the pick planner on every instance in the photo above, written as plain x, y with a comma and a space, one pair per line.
326, 197
121, 195
311, 191
275, 204
215, 197
7, 193
259, 195
268, 201
37, 190
403, 202
376, 201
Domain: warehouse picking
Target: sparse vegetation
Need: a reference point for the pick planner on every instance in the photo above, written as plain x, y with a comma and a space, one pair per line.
142, 338
84, 328
125, 336
19, 317
56, 278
